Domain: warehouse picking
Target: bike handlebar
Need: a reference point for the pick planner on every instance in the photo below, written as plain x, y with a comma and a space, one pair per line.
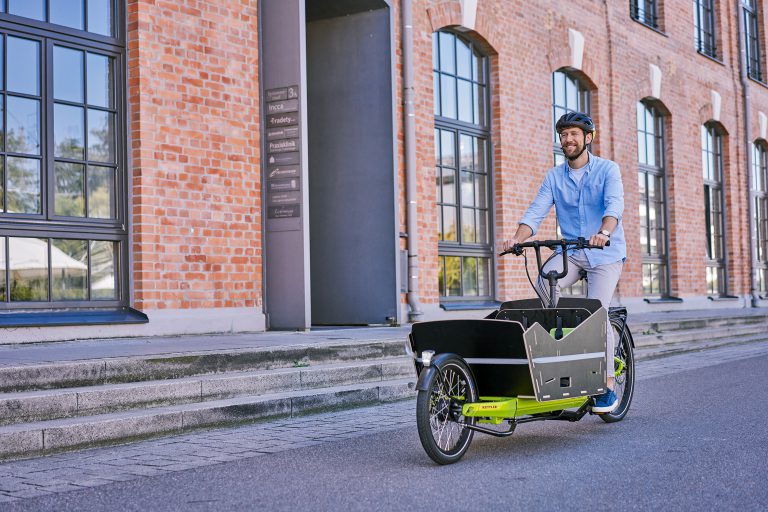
553, 275
564, 243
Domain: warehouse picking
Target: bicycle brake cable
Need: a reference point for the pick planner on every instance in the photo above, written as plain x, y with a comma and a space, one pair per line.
530, 281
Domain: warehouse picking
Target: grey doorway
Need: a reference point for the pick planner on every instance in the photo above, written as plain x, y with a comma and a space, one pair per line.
354, 244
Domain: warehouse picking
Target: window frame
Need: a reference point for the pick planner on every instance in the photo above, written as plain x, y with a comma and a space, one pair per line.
583, 104
705, 37
659, 174
646, 14
47, 225
459, 248
759, 198
753, 40
716, 249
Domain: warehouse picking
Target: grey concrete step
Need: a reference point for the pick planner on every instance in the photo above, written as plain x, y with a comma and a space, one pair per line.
664, 326
39, 405
50, 375
651, 338
54, 435
663, 350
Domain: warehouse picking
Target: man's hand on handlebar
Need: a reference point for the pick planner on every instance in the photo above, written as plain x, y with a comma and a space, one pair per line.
599, 240
508, 244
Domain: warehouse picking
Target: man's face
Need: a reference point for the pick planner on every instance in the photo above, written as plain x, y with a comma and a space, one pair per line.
573, 140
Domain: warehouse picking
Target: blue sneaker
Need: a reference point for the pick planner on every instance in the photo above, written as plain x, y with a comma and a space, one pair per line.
606, 402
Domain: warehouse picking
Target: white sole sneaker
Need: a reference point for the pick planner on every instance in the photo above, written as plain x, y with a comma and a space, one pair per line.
603, 410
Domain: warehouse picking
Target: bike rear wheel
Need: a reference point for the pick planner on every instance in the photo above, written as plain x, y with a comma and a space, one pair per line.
441, 427
625, 379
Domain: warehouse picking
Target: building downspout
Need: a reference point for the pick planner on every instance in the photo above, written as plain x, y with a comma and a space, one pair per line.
754, 299
409, 141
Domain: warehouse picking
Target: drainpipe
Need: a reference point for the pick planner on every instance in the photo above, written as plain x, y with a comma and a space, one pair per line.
754, 299
409, 140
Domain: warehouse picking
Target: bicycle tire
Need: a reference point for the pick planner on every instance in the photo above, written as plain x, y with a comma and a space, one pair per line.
625, 381
445, 440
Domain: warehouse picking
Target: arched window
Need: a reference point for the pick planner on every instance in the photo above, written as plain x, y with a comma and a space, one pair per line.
63, 235
569, 94
652, 210
752, 36
462, 160
760, 205
712, 170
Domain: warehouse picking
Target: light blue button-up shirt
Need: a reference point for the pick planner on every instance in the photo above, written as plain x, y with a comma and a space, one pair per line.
580, 207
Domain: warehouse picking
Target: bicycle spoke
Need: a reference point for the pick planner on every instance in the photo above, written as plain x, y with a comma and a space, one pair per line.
446, 431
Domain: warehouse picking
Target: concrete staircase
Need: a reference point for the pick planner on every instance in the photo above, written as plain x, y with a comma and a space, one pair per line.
53, 406
93, 398
662, 336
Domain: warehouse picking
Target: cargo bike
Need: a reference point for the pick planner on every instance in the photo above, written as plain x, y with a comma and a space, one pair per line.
527, 361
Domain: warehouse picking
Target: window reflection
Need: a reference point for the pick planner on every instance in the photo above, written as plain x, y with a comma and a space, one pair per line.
69, 269
453, 276
469, 275
34, 9
28, 269
23, 125
103, 266
101, 184
23, 63
68, 132
68, 74
70, 189
101, 142
100, 17
23, 185
100, 81
69, 13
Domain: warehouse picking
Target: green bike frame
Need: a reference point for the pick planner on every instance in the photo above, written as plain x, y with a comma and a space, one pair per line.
494, 410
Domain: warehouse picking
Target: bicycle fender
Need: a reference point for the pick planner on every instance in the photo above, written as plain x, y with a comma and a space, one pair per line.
428, 371
424, 377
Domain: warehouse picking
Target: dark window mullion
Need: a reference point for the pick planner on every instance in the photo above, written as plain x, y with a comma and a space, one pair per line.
86, 167
50, 270
48, 164
6, 270
4, 162
89, 270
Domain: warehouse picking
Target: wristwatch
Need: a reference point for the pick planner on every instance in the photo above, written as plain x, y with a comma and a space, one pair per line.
605, 232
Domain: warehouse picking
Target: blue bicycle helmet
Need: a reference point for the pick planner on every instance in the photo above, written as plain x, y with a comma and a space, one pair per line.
577, 119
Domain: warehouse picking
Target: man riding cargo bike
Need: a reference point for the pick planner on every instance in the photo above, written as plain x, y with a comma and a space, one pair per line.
538, 359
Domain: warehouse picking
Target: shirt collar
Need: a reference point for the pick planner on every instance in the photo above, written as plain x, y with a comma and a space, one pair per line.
587, 168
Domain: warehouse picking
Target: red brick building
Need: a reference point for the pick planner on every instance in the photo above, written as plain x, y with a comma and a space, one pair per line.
215, 166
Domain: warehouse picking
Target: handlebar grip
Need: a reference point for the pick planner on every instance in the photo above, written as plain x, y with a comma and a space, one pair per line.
587, 246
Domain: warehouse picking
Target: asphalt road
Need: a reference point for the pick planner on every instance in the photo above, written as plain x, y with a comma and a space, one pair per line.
693, 440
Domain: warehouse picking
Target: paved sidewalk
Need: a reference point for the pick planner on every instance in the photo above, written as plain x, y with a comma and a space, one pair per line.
80, 350
64, 472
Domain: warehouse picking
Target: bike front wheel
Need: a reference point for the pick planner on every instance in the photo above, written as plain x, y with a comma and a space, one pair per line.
442, 428
625, 374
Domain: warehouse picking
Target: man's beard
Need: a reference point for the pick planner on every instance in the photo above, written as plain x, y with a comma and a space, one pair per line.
575, 156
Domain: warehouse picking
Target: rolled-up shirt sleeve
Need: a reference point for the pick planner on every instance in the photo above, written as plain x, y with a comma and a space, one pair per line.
540, 206
614, 194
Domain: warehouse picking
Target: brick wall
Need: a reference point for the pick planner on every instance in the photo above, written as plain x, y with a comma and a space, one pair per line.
194, 140
193, 95
526, 42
